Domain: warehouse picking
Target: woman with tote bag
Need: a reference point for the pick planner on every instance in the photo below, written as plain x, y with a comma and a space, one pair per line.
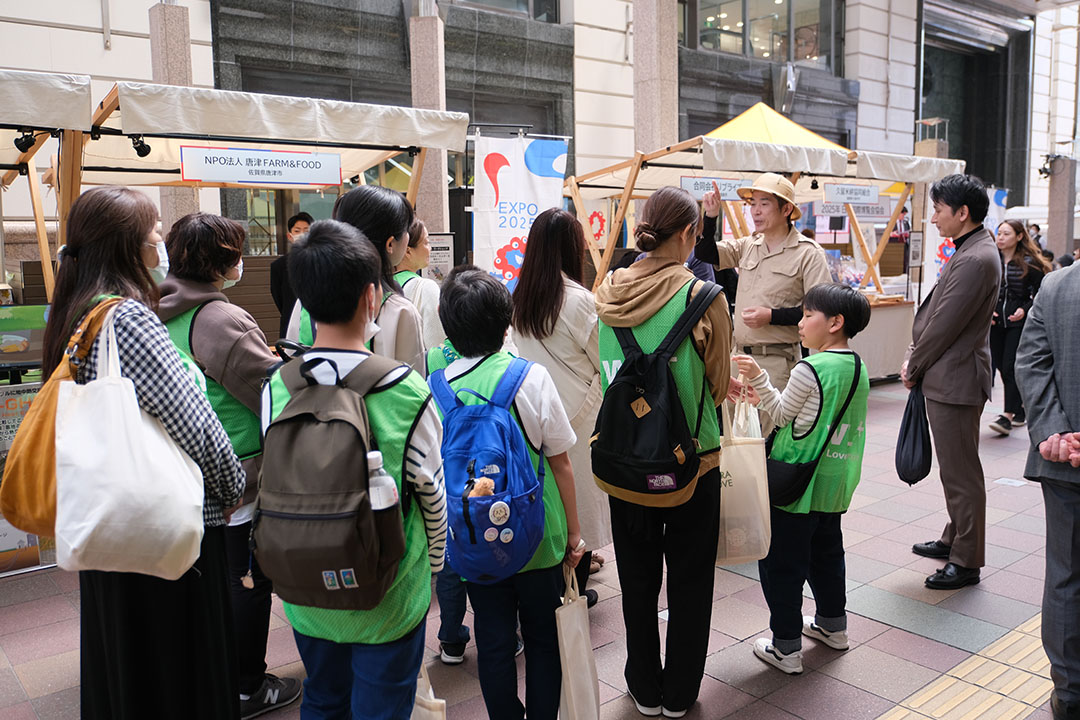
148, 646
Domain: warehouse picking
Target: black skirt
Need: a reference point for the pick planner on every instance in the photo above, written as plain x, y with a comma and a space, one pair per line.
160, 648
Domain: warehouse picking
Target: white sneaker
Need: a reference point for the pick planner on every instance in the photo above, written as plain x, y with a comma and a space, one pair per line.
673, 713
837, 640
791, 664
644, 709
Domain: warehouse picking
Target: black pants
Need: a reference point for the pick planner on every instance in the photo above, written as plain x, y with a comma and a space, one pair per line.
684, 538
250, 609
1003, 344
531, 597
804, 547
159, 648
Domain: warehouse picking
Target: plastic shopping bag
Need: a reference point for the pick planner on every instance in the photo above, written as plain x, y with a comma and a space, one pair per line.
745, 527
746, 421
580, 697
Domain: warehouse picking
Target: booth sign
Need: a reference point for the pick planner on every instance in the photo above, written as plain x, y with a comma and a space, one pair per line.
273, 167
867, 211
698, 186
838, 193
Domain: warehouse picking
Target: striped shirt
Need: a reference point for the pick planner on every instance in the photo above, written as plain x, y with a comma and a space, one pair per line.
166, 391
800, 402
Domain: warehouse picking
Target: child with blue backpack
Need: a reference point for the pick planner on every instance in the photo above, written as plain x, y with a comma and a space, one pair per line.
511, 544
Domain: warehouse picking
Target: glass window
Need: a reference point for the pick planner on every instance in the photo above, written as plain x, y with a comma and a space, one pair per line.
811, 36
721, 25
768, 21
543, 10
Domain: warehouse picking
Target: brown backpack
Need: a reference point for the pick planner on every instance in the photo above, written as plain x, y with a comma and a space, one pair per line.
28, 491
314, 532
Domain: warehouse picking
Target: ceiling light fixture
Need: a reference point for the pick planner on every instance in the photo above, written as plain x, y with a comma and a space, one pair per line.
25, 141
141, 148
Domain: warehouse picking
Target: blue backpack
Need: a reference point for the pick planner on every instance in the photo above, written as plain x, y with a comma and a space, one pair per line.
491, 536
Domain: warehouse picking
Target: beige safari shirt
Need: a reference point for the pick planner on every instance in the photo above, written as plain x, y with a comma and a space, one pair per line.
774, 280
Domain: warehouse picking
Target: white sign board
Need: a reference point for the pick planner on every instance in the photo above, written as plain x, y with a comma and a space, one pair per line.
871, 211
271, 167
698, 186
837, 193
441, 259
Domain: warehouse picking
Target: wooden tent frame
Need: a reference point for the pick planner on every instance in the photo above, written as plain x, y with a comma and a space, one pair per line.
736, 220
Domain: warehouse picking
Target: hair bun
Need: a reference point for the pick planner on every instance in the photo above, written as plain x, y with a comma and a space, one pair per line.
646, 237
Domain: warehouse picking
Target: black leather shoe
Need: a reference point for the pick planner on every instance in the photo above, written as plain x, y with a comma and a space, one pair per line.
1064, 710
932, 549
953, 576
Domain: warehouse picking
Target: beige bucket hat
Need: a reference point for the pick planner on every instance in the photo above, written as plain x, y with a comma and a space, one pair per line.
773, 184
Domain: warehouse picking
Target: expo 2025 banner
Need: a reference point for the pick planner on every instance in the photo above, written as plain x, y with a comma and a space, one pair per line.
516, 180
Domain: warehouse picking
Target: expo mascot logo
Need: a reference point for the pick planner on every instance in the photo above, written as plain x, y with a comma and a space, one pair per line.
519, 215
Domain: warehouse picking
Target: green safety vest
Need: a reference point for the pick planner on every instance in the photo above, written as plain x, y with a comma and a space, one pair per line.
403, 276
483, 379
687, 367
240, 423
838, 472
306, 335
440, 356
392, 414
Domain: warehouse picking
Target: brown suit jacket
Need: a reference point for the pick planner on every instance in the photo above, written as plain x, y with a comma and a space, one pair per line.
950, 349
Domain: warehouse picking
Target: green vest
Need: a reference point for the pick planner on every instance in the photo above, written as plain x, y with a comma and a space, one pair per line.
392, 413
483, 379
687, 367
403, 276
440, 356
838, 472
240, 423
307, 328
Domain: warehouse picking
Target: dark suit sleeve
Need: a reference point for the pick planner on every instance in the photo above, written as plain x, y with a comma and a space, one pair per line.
1034, 282
705, 250
276, 280
786, 316
952, 312
1035, 375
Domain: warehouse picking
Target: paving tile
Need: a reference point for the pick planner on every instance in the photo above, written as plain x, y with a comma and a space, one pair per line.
727, 583
753, 595
909, 646
762, 710
1015, 539
864, 570
25, 588
63, 705
1025, 523
49, 675
1002, 611
41, 641
739, 619
927, 501
854, 537
452, 683
906, 535
736, 666
717, 700
1021, 651
11, 691
889, 551
934, 522
471, 709
35, 613
999, 557
862, 629
879, 672
607, 692
608, 613
747, 570
621, 708
820, 696
867, 523
65, 581
878, 490
1031, 566
601, 636
4, 663
895, 510
995, 515
1013, 585
1011, 682
281, 648
932, 621
949, 698
902, 713
610, 664
911, 583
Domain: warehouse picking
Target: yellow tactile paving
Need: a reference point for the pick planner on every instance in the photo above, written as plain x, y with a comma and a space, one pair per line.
1008, 680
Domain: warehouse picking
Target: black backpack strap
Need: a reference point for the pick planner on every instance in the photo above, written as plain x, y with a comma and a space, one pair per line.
628, 343
690, 316
844, 407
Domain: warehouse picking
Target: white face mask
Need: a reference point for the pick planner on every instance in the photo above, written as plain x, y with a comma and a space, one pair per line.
239, 274
161, 270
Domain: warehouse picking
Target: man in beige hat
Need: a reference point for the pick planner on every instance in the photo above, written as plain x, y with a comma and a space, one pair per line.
777, 266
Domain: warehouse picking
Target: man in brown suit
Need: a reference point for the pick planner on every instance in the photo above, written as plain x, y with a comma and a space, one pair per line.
950, 356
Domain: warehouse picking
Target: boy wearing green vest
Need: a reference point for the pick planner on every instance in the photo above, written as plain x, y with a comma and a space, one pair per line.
475, 310
807, 543
363, 664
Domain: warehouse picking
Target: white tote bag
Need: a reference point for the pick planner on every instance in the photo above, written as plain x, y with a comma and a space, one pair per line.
580, 697
427, 706
745, 527
128, 499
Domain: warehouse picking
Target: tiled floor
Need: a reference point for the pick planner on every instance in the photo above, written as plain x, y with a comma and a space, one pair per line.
916, 653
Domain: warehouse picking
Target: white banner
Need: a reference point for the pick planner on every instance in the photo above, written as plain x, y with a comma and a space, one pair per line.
838, 193
516, 180
698, 186
272, 167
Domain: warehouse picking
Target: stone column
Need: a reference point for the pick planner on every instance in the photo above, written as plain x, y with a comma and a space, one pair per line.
170, 58
656, 74
427, 53
1059, 224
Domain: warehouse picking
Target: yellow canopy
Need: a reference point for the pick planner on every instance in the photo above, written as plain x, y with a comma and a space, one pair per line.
763, 124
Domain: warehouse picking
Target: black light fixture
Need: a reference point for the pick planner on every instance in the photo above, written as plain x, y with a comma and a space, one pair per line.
141, 148
25, 141
814, 184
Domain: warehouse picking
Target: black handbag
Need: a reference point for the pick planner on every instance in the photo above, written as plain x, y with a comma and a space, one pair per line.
789, 481
913, 452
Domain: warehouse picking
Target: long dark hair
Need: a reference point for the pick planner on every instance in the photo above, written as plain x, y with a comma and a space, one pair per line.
1027, 254
556, 245
379, 213
107, 227
667, 212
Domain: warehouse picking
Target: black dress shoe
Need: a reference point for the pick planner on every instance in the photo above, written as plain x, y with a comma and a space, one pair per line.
932, 549
952, 577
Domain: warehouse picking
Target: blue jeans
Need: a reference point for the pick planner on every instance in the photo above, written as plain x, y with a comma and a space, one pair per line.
533, 596
360, 682
450, 590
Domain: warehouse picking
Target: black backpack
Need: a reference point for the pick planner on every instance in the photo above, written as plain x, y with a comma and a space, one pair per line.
642, 449
314, 533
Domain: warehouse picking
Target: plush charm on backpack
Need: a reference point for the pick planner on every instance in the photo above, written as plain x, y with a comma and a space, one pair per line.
494, 496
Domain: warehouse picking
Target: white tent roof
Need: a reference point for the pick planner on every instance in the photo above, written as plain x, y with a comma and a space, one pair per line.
170, 116
41, 101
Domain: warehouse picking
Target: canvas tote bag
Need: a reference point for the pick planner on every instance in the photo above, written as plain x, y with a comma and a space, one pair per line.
128, 499
745, 527
580, 696
427, 706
